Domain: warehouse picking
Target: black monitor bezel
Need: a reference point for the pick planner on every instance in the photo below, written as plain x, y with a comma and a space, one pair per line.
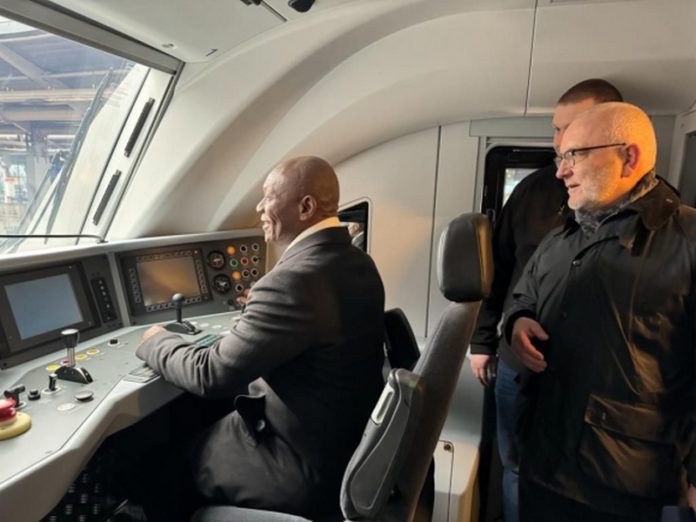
14, 343
358, 213
130, 277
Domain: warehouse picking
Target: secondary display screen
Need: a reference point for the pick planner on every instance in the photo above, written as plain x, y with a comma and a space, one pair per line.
43, 305
161, 278
36, 305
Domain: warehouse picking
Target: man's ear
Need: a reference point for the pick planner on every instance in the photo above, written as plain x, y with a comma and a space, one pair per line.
631, 159
308, 207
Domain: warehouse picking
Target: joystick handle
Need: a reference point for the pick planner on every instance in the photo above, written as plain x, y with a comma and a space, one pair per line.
70, 338
178, 300
180, 326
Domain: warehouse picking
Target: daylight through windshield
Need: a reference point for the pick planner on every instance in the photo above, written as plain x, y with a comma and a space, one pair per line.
63, 106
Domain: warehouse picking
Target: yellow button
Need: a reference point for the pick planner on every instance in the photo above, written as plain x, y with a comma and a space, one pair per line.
80, 356
236, 276
93, 351
52, 367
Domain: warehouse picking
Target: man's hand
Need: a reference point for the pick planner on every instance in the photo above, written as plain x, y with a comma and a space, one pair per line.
243, 298
483, 367
691, 496
523, 331
153, 330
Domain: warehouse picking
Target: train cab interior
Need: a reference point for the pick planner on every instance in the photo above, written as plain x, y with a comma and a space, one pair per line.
135, 137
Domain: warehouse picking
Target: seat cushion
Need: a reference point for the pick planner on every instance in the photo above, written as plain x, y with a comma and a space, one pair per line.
238, 514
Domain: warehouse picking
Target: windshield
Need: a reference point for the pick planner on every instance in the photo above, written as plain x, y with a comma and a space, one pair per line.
63, 107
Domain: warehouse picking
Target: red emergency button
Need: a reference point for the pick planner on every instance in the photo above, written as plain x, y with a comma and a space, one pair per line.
7, 410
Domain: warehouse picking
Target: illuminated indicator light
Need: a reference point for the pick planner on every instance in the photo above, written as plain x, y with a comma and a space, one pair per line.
236, 276
52, 367
93, 351
231, 250
234, 263
81, 356
64, 362
244, 261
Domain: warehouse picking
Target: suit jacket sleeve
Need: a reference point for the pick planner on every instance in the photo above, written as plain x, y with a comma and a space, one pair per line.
485, 337
690, 461
277, 325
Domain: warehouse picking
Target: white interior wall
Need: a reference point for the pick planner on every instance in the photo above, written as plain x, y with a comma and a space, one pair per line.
402, 215
332, 86
455, 194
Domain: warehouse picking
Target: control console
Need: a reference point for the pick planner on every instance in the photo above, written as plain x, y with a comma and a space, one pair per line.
67, 420
70, 322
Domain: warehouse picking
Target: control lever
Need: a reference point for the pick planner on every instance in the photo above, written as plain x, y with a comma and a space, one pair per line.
52, 384
13, 393
180, 326
71, 371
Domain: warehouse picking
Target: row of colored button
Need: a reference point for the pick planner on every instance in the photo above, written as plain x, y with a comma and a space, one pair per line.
244, 261
231, 250
78, 357
246, 274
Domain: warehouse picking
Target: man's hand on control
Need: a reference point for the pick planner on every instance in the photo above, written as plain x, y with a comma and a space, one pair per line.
483, 367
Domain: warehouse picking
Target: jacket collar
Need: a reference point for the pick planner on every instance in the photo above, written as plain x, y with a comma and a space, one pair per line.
328, 235
654, 208
657, 206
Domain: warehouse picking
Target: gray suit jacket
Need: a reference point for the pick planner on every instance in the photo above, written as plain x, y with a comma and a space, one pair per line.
303, 366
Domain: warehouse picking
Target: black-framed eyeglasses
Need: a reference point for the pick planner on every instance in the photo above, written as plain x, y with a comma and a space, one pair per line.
570, 156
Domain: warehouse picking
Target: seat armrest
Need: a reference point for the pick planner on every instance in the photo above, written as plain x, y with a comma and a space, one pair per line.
372, 472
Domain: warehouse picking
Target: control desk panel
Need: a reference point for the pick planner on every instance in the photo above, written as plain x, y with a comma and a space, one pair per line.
86, 310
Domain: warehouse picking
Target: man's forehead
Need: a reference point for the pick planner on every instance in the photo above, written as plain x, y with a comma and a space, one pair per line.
583, 132
564, 113
274, 177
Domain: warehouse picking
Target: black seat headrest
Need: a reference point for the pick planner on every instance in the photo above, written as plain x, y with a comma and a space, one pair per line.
465, 258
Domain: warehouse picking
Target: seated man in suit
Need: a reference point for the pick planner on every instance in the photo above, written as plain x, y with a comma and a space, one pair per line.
301, 368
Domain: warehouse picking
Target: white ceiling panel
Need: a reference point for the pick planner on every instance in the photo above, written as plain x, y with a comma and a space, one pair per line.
618, 41
282, 7
193, 31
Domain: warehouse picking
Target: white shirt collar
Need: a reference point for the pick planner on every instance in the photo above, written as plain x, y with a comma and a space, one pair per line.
329, 222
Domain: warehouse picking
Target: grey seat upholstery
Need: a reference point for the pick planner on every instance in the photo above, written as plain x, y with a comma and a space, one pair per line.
384, 478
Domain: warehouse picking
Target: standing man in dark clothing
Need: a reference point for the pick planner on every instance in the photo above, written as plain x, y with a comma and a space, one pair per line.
302, 367
605, 315
536, 206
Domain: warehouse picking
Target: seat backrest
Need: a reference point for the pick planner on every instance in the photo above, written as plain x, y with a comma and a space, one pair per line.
401, 346
384, 478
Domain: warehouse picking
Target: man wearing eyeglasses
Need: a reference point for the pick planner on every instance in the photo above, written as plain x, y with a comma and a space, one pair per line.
605, 317
536, 206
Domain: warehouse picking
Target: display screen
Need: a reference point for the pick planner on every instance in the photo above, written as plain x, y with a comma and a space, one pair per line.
161, 278
43, 305
36, 305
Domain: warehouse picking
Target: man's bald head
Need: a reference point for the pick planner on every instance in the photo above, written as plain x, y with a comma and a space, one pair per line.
613, 147
298, 193
312, 176
617, 122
